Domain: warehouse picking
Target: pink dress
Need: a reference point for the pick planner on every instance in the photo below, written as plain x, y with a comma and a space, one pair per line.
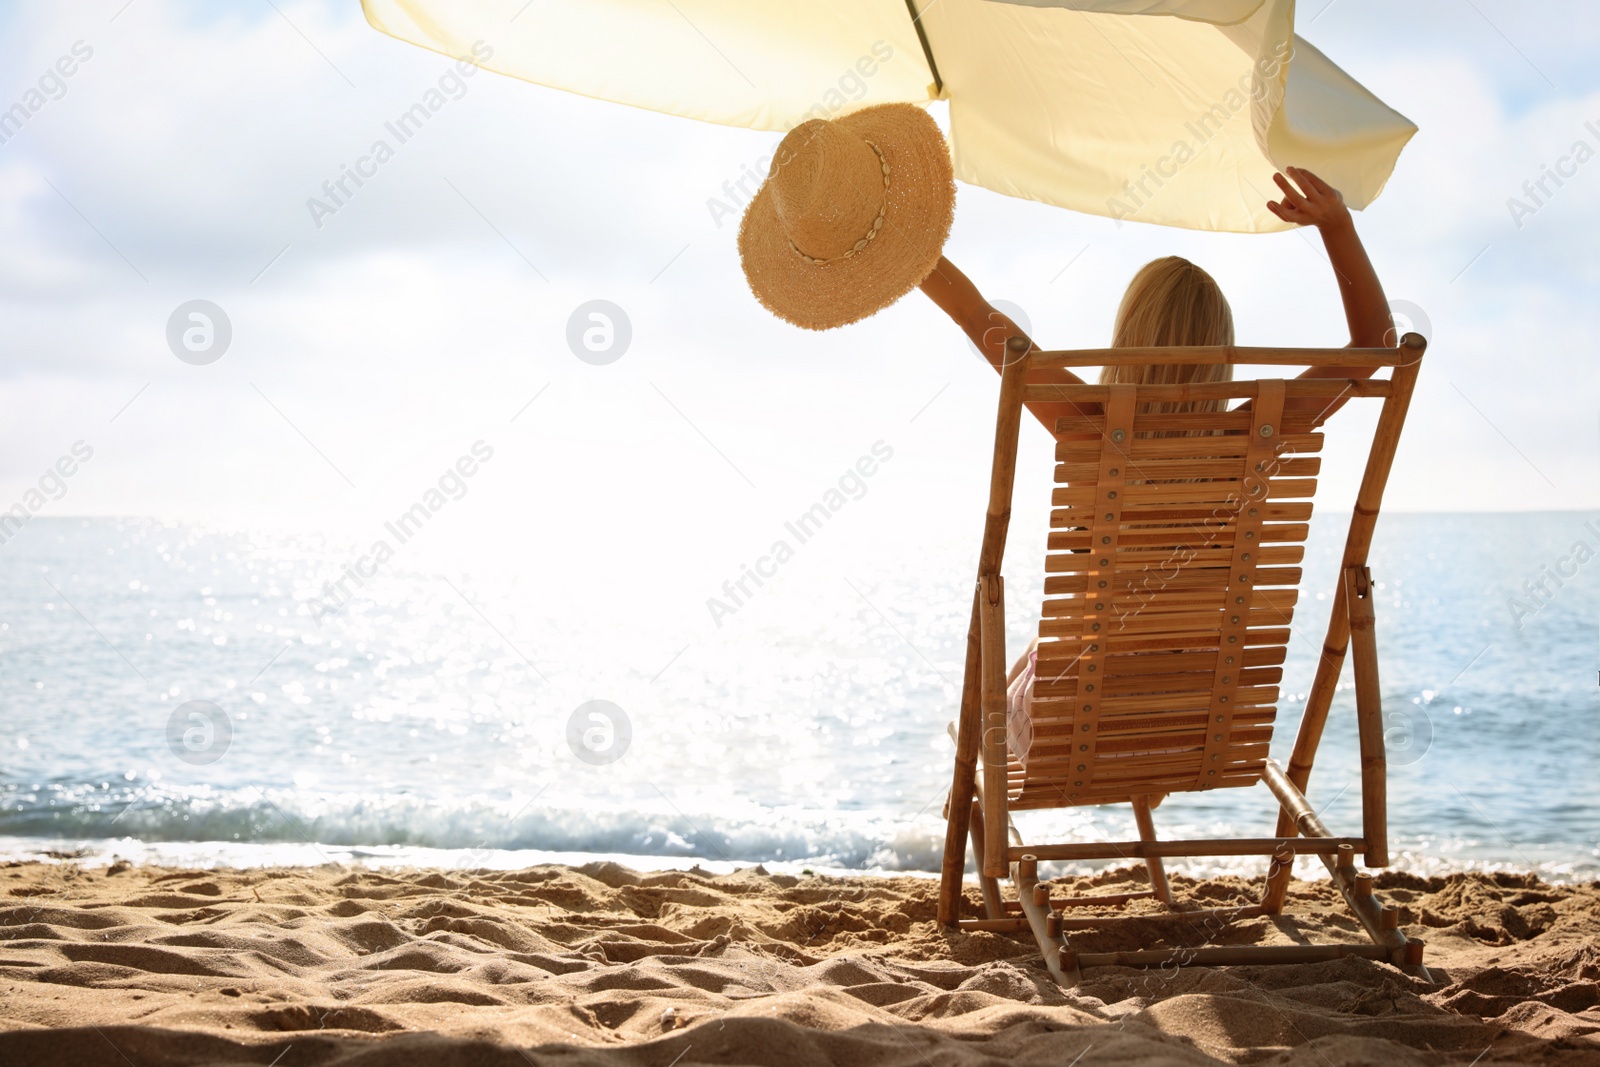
1019, 710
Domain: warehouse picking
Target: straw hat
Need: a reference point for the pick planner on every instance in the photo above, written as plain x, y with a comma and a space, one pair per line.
852, 216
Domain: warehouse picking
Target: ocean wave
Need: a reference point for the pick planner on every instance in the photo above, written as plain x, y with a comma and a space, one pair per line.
852, 840
250, 827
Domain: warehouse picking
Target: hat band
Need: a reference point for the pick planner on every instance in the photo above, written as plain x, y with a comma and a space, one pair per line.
877, 223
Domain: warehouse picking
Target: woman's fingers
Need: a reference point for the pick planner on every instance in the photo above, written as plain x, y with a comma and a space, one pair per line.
1306, 177
1285, 212
1306, 180
1291, 196
1310, 189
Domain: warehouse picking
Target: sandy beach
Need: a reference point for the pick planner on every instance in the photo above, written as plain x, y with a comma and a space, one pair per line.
604, 965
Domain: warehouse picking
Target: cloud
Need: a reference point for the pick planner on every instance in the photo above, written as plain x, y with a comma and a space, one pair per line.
437, 296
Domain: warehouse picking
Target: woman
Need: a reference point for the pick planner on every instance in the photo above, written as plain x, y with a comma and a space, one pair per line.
1173, 302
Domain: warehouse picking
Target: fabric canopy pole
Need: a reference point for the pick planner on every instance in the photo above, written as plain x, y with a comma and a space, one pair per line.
1173, 112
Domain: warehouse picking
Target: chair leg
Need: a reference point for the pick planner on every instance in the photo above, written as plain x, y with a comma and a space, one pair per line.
993, 907
1147, 832
1059, 959
1358, 594
1276, 887
957, 811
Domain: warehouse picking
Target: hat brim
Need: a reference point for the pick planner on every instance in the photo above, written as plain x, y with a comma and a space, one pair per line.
919, 208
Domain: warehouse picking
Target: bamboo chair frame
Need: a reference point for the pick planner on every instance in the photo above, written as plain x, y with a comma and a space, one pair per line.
989, 780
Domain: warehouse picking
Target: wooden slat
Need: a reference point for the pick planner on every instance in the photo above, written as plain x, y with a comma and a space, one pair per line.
1146, 448
1323, 388
1117, 684
1147, 582
1036, 793
1188, 493
1179, 778
1159, 663
1185, 422
1130, 560
1151, 539
1103, 900
1186, 641
1235, 355
1179, 755
1150, 703
1200, 516
1061, 750
1163, 597
1134, 619
1125, 731
1227, 846
1226, 469
1059, 722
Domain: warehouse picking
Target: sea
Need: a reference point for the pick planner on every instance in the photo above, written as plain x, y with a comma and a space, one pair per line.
195, 695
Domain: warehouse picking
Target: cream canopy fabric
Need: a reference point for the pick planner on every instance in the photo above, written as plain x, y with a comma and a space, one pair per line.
1174, 112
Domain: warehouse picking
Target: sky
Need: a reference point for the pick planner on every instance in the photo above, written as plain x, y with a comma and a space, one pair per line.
373, 347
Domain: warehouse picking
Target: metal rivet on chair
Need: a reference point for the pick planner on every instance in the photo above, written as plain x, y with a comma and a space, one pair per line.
1111, 495
1105, 540
1238, 600
1234, 618
1118, 435
1266, 429
1102, 583
1089, 688
1082, 767
1105, 563
1112, 472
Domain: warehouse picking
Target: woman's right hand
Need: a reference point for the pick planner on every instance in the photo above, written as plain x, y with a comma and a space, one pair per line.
1315, 203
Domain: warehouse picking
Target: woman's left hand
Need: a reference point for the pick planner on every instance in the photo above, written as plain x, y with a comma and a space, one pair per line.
1315, 203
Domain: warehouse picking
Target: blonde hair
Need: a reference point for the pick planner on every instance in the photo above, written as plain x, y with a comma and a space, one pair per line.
1172, 302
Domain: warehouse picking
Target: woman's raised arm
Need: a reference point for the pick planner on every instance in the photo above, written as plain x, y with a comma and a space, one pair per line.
1366, 309
989, 328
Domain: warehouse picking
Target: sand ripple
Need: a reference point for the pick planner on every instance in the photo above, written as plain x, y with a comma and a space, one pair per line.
603, 965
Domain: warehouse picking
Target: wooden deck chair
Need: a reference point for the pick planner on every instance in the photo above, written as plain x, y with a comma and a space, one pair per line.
1171, 578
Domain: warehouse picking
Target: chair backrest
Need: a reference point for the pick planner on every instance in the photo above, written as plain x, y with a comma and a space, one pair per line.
1173, 568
